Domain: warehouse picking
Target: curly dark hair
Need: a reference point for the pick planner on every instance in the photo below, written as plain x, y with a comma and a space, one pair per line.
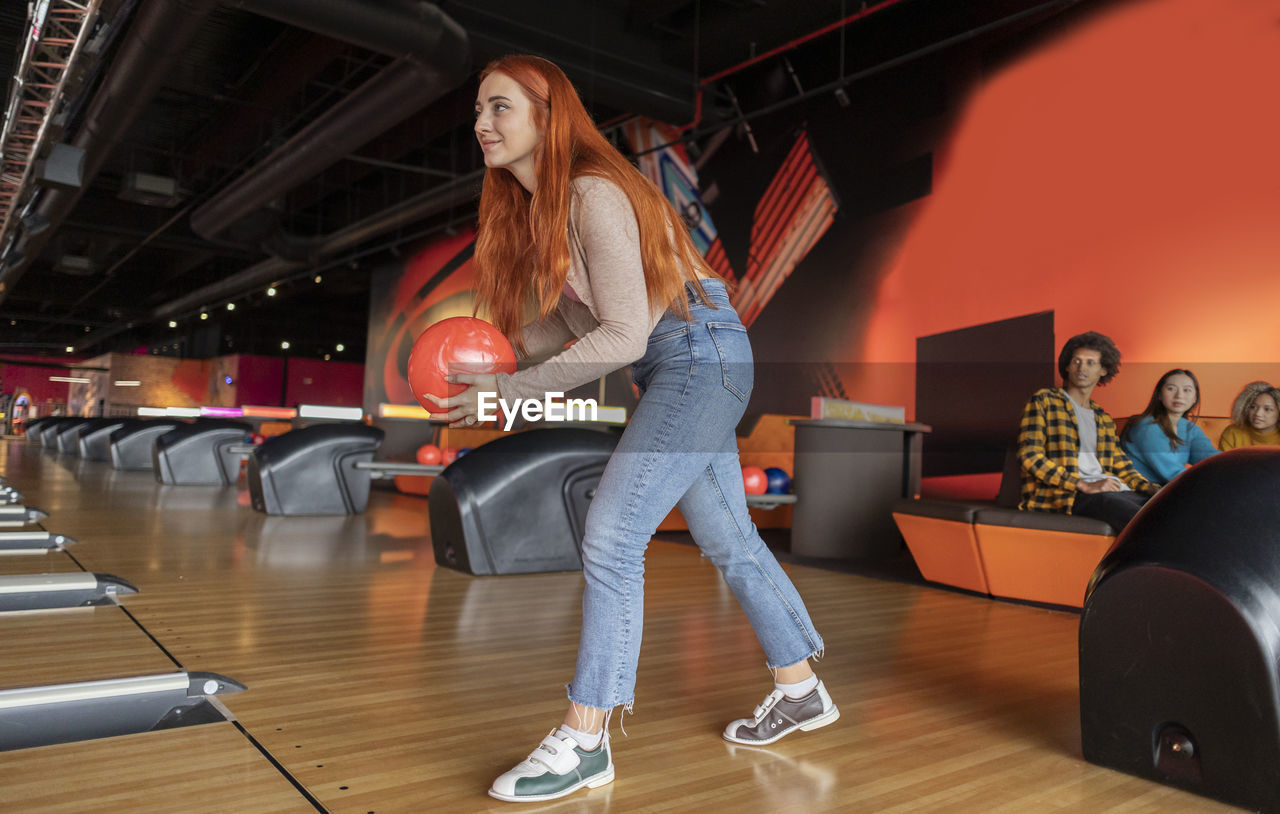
1091, 340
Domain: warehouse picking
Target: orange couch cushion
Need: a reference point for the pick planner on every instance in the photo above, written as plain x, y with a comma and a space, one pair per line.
945, 551
1040, 565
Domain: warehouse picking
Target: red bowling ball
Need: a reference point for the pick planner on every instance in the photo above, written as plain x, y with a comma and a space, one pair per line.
429, 455
456, 345
754, 480
448, 455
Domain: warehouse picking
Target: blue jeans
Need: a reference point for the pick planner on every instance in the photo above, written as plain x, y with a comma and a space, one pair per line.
680, 449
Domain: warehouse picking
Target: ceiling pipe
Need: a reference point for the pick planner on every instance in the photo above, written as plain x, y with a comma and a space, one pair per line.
414, 30
433, 57
156, 39
690, 130
704, 84
463, 190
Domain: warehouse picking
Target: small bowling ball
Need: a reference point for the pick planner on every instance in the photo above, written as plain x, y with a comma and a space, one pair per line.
448, 455
463, 451
754, 480
779, 481
429, 455
258, 438
456, 345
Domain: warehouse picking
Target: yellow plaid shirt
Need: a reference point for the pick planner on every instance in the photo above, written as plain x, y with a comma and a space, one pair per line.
1049, 446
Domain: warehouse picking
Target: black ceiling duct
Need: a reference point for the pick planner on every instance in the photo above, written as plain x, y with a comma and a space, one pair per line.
433, 57
307, 252
159, 34
409, 29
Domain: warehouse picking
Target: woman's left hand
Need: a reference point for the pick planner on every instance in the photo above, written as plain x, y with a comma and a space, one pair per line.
463, 408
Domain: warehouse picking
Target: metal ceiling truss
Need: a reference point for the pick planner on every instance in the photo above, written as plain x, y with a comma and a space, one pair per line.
54, 43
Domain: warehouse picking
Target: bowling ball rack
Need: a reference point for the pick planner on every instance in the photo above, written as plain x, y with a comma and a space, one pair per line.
769, 501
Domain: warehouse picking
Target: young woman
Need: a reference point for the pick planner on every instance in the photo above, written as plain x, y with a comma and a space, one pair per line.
1161, 441
1254, 418
568, 225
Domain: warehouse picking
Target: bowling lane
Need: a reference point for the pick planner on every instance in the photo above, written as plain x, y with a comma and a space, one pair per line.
199, 768
53, 562
74, 644
382, 683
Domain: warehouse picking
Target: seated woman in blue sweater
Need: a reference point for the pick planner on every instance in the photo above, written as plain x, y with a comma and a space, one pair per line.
1160, 440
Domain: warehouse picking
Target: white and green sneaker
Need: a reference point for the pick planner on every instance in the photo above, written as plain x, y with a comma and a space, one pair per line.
558, 767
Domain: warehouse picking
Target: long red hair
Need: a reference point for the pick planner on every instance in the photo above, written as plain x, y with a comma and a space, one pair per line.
522, 243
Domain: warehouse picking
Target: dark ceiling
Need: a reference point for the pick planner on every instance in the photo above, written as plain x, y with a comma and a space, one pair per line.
266, 193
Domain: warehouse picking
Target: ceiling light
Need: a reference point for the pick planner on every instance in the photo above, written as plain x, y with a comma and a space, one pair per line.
318, 278
341, 347
204, 314
128, 383
75, 265
231, 306
150, 190
70, 349
271, 292
285, 345
326, 357
172, 324
70, 379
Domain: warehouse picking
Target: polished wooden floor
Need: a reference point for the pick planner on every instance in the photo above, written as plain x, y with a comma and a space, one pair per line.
379, 683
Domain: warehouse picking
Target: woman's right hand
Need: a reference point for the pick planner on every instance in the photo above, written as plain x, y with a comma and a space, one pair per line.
463, 408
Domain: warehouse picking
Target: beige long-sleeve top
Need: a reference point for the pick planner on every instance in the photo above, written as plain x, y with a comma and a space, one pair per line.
613, 320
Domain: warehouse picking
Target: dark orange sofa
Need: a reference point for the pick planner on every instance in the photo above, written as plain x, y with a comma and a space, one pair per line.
991, 547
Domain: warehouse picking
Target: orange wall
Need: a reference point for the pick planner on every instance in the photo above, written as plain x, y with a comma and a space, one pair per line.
1126, 176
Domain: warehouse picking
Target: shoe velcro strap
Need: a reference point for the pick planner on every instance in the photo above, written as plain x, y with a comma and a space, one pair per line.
767, 704
559, 757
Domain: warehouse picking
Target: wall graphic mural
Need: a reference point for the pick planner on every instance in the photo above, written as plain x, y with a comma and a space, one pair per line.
434, 284
666, 163
795, 212
1090, 168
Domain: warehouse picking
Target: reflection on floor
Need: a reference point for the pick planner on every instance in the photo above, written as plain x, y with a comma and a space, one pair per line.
380, 683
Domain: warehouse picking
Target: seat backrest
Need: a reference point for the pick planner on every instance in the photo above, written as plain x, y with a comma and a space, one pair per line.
1011, 481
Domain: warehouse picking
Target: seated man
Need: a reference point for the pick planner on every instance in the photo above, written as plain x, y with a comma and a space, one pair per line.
1071, 461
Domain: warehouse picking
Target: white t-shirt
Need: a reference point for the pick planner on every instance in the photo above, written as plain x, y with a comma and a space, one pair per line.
1088, 467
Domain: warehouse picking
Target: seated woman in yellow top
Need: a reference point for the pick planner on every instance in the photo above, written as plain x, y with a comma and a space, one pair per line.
1255, 414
